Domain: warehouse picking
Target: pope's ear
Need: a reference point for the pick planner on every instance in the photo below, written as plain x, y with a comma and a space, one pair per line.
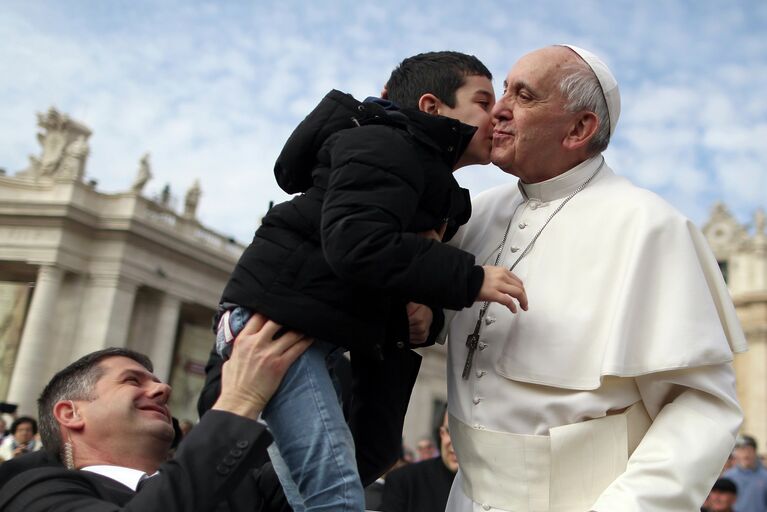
67, 415
582, 130
429, 103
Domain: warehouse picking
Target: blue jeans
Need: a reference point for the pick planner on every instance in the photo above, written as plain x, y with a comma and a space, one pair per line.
313, 449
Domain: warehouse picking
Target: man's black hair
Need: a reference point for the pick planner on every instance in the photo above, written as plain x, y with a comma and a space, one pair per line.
76, 382
438, 73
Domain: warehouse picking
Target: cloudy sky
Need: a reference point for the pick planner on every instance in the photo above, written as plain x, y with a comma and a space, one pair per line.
213, 89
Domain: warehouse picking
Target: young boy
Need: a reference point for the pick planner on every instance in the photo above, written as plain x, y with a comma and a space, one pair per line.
341, 261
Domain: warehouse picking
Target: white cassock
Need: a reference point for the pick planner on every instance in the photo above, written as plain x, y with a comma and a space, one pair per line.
615, 391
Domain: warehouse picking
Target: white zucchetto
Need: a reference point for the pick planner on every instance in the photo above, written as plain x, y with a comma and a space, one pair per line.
606, 80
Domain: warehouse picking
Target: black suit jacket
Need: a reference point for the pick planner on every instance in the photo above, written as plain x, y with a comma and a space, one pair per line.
420, 487
208, 466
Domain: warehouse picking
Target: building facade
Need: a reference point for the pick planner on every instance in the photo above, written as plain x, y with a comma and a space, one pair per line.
741, 251
82, 270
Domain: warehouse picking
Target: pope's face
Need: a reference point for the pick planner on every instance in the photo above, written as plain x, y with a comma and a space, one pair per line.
473, 102
130, 407
530, 120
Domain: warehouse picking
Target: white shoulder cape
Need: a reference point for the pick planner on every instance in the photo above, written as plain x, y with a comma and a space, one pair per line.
619, 283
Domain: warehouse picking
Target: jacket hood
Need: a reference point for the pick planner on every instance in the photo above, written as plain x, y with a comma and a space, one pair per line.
340, 111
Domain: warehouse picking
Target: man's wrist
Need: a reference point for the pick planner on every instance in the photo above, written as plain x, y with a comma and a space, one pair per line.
239, 407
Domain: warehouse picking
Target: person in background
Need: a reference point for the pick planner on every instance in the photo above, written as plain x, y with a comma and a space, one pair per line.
749, 475
425, 449
21, 439
423, 486
722, 497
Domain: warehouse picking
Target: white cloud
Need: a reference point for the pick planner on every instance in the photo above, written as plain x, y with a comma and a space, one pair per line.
213, 89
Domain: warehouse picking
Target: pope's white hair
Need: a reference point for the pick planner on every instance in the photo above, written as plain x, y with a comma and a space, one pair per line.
581, 89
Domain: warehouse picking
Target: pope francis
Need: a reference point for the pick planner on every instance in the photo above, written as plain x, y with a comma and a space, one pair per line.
615, 391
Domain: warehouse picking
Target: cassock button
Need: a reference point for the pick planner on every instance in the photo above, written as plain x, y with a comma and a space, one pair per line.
522, 225
482, 346
481, 373
400, 344
477, 400
485, 506
242, 444
489, 320
514, 249
533, 205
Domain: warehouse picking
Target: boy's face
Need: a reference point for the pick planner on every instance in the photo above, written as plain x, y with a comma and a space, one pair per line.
473, 103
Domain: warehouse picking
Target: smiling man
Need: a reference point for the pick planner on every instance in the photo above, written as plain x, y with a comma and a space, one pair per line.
106, 418
614, 391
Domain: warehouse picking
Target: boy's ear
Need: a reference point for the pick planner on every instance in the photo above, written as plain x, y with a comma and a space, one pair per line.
429, 103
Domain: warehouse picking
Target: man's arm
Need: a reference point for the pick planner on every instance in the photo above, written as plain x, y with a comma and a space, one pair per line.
695, 419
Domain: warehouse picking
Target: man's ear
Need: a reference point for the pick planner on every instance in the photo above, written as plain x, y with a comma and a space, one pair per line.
384, 93
67, 415
581, 132
429, 103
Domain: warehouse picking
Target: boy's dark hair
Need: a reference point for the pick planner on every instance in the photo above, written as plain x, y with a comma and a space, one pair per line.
20, 421
76, 382
438, 73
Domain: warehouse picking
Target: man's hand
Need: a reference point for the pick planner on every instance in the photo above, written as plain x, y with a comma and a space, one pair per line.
419, 318
502, 286
257, 365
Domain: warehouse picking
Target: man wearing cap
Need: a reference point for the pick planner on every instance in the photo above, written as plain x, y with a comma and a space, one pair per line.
749, 475
615, 391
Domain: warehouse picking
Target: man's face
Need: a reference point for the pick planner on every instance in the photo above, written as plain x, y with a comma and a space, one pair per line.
530, 121
446, 447
473, 102
719, 501
745, 456
24, 433
130, 406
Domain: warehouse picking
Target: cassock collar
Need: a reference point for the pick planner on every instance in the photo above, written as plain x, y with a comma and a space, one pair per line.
562, 185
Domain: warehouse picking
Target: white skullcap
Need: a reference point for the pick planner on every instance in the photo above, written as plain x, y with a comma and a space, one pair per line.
606, 80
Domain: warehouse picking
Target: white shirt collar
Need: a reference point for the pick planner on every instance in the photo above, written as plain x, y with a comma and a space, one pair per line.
562, 185
127, 476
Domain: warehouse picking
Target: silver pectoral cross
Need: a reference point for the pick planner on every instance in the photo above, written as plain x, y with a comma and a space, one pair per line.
472, 340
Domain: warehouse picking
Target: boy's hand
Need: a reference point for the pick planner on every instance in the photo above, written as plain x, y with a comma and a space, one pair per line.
502, 286
257, 365
419, 317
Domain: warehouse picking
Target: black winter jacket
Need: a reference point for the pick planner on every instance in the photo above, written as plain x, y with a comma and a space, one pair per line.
340, 261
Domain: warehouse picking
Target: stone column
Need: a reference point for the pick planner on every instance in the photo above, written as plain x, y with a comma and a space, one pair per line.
33, 362
164, 341
106, 313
